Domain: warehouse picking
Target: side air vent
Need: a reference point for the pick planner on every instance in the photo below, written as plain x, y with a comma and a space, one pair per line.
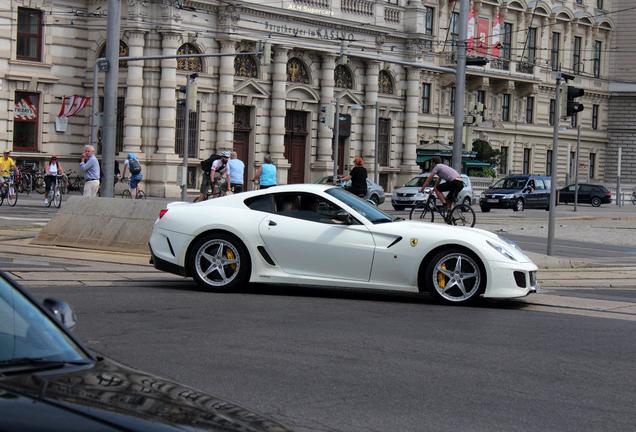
265, 255
170, 246
394, 242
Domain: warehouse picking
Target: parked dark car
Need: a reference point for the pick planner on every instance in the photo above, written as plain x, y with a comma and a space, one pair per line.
588, 194
517, 192
50, 382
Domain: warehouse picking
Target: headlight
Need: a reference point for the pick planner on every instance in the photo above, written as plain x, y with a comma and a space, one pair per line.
419, 195
502, 250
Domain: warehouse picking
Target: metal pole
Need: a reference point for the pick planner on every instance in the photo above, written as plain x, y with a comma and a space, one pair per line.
186, 139
576, 176
110, 98
94, 101
460, 85
376, 168
336, 138
555, 152
619, 200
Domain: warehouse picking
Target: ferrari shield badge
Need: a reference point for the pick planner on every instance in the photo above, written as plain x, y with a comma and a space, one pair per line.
413, 242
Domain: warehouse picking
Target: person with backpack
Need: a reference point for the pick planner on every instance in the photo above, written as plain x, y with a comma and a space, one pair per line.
51, 169
132, 163
214, 168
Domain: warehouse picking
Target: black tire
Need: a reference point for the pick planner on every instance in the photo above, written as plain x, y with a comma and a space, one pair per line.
423, 213
12, 200
398, 208
141, 195
463, 215
596, 202
375, 199
435, 281
57, 199
64, 185
467, 202
126, 194
519, 205
484, 209
230, 246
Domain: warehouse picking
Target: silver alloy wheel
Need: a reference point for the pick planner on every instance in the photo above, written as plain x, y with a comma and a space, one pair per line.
214, 264
456, 277
519, 205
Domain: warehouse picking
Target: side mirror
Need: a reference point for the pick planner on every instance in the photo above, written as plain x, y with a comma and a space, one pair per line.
344, 217
62, 312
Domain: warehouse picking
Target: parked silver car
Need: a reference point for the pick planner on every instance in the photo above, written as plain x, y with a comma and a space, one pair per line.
409, 195
375, 192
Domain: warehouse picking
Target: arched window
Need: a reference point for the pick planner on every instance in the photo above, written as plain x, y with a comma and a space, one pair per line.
193, 64
342, 77
123, 52
297, 71
245, 66
385, 82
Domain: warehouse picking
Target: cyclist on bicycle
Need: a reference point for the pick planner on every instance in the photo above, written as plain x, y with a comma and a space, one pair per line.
51, 169
6, 165
453, 185
132, 163
218, 170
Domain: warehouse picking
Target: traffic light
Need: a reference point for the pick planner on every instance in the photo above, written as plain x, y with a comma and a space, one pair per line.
569, 106
327, 115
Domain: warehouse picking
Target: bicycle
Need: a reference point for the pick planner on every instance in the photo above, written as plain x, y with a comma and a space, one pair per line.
460, 214
8, 190
140, 194
55, 193
634, 198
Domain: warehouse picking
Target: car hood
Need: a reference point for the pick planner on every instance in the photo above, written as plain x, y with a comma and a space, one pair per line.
110, 396
407, 189
502, 191
408, 227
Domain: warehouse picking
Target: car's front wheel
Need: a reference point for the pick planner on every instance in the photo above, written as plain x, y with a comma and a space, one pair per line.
219, 262
484, 209
596, 202
454, 276
519, 205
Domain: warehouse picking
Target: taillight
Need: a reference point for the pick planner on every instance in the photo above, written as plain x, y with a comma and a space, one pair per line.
162, 212
608, 193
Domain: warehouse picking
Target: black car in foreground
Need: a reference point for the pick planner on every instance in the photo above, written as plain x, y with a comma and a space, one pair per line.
588, 194
517, 192
50, 382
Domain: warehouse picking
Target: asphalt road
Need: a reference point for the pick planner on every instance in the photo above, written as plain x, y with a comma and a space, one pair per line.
336, 360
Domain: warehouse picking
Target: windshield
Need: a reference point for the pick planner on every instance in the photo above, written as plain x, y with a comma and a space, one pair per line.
27, 333
369, 211
511, 183
416, 181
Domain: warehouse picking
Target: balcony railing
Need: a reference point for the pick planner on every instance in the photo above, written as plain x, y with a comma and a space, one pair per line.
358, 7
319, 4
500, 64
525, 67
393, 16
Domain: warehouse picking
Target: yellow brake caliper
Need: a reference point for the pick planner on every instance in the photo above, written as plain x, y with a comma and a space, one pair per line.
230, 255
441, 278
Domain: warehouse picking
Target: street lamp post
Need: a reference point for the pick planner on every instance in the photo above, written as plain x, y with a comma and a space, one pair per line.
376, 168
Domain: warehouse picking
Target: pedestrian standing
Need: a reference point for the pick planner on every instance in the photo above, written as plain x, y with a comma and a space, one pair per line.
358, 177
266, 173
237, 172
90, 167
132, 164
51, 169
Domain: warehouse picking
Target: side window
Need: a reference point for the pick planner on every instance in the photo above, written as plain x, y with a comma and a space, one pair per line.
585, 188
548, 183
531, 184
570, 188
540, 185
306, 206
264, 203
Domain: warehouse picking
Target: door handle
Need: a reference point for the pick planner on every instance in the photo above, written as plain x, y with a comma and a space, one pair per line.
272, 223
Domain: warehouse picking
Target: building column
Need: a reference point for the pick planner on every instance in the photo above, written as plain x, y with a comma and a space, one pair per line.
168, 95
324, 160
278, 111
134, 98
225, 104
409, 152
371, 99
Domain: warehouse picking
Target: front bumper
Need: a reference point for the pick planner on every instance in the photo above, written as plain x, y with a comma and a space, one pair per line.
503, 283
497, 202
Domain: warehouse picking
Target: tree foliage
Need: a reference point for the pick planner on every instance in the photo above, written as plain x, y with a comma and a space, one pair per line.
485, 152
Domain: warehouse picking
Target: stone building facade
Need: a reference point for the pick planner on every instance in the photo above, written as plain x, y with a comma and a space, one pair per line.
357, 52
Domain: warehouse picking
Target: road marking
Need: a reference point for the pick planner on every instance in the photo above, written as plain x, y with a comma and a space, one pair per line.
11, 218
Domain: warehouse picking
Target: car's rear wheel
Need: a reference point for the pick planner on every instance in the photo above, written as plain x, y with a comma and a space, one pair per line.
219, 262
455, 276
596, 202
467, 201
519, 205
484, 209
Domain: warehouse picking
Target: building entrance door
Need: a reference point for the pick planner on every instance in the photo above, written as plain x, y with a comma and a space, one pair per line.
295, 145
242, 132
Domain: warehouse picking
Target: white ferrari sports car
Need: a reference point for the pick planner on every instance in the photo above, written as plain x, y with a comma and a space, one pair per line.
318, 235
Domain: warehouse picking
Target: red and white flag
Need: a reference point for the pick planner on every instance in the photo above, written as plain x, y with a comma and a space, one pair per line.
470, 42
496, 36
72, 105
